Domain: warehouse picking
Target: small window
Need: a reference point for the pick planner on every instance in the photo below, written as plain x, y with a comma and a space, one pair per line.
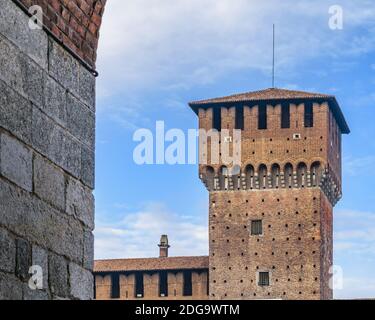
309, 115
264, 279
256, 227
239, 118
188, 286
262, 117
115, 290
139, 291
285, 116
216, 119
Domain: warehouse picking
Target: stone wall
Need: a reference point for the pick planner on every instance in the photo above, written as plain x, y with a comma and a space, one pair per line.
47, 142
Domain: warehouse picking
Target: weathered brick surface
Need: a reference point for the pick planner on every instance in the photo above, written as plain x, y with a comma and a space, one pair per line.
47, 136
295, 205
74, 22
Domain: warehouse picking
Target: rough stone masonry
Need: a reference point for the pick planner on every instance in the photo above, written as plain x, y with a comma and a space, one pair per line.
47, 136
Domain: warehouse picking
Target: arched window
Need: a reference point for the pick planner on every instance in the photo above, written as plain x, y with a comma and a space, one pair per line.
288, 175
209, 178
316, 174
275, 176
223, 178
249, 172
235, 173
262, 176
302, 175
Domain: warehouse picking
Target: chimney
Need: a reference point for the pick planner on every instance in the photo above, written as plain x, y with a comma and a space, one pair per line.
163, 246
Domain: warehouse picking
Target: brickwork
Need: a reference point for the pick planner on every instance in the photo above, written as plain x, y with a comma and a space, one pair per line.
75, 23
289, 179
175, 282
47, 137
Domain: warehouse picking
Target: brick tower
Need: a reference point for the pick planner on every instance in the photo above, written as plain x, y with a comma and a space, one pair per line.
270, 218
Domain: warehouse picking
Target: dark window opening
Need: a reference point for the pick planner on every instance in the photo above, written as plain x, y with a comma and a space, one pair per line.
239, 118
94, 288
262, 117
264, 279
163, 284
216, 119
115, 290
309, 115
285, 115
139, 285
188, 285
256, 227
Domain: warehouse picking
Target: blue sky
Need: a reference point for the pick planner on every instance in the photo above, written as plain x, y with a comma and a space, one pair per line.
156, 56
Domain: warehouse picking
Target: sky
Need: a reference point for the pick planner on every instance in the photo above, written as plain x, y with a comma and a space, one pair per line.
156, 56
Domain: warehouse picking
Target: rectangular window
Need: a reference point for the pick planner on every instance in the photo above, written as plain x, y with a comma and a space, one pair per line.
188, 286
115, 289
163, 284
264, 279
309, 115
285, 115
262, 117
139, 285
256, 227
216, 119
239, 118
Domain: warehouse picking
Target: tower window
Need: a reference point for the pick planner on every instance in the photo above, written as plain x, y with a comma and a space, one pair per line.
285, 115
216, 119
188, 286
239, 118
262, 117
309, 115
115, 289
264, 279
163, 284
139, 291
256, 227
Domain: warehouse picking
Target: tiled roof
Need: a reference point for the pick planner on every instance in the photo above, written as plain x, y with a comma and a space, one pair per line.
275, 94
267, 94
170, 263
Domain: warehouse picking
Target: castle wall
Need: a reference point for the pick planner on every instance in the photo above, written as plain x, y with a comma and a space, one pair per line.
151, 279
47, 137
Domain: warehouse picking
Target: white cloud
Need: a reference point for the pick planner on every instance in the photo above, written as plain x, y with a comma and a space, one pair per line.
357, 165
137, 234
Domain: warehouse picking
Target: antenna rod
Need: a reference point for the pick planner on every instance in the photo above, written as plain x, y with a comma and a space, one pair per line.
273, 58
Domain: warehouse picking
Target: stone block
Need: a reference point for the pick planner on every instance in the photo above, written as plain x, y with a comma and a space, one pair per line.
15, 25
55, 101
80, 202
40, 223
81, 282
39, 257
10, 287
87, 83
7, 252
15, 112
63, 67
49, 182
88, 167
88, 250
16, 162
34, 295
47, 137
72, 151
23, 259
58, 276
81, 121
